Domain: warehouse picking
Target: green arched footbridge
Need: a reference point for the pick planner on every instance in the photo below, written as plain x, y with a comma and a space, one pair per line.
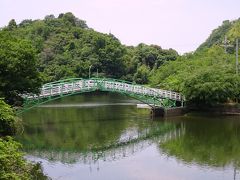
67, 87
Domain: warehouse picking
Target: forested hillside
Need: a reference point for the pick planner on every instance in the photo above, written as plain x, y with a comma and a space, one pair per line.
229, 30
208, 75
66, 47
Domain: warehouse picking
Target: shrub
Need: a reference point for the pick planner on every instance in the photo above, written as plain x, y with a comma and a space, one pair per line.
13, 165
9, 123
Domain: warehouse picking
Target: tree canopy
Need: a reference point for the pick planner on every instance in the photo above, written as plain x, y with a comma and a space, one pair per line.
18, 72
208, 75
67, 47
64, 46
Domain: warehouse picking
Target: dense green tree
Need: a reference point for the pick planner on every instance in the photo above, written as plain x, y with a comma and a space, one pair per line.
228, 30
8, 122
12, 24
18, 74
154, 55
206, 76
144, 58
66, 47
211, 85
217, 36
13, 165
141, 76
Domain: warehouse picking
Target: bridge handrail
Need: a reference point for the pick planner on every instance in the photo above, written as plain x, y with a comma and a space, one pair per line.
72, 80
69, 80
94, 78
61, 81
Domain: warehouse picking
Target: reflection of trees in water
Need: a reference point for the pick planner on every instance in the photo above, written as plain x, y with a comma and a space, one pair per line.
112, 154
213, 142
68, 134
74, 128
118, 150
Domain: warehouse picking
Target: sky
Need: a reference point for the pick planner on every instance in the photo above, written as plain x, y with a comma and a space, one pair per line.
179, 24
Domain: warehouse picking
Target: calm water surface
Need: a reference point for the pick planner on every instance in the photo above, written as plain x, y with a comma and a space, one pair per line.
104, 136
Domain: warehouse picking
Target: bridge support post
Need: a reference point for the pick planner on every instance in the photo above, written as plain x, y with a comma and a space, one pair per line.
158, 112
169, 112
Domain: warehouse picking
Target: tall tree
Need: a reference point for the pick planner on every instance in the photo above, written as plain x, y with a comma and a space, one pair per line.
12, 24
18, 72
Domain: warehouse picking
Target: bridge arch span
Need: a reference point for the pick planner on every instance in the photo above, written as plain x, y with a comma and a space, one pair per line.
67, 87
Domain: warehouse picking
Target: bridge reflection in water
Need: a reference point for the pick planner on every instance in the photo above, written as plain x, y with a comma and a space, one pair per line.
127, 146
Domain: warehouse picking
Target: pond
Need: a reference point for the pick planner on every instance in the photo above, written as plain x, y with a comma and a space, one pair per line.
104, 136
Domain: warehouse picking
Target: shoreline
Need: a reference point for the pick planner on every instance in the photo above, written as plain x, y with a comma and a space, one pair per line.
226, 109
